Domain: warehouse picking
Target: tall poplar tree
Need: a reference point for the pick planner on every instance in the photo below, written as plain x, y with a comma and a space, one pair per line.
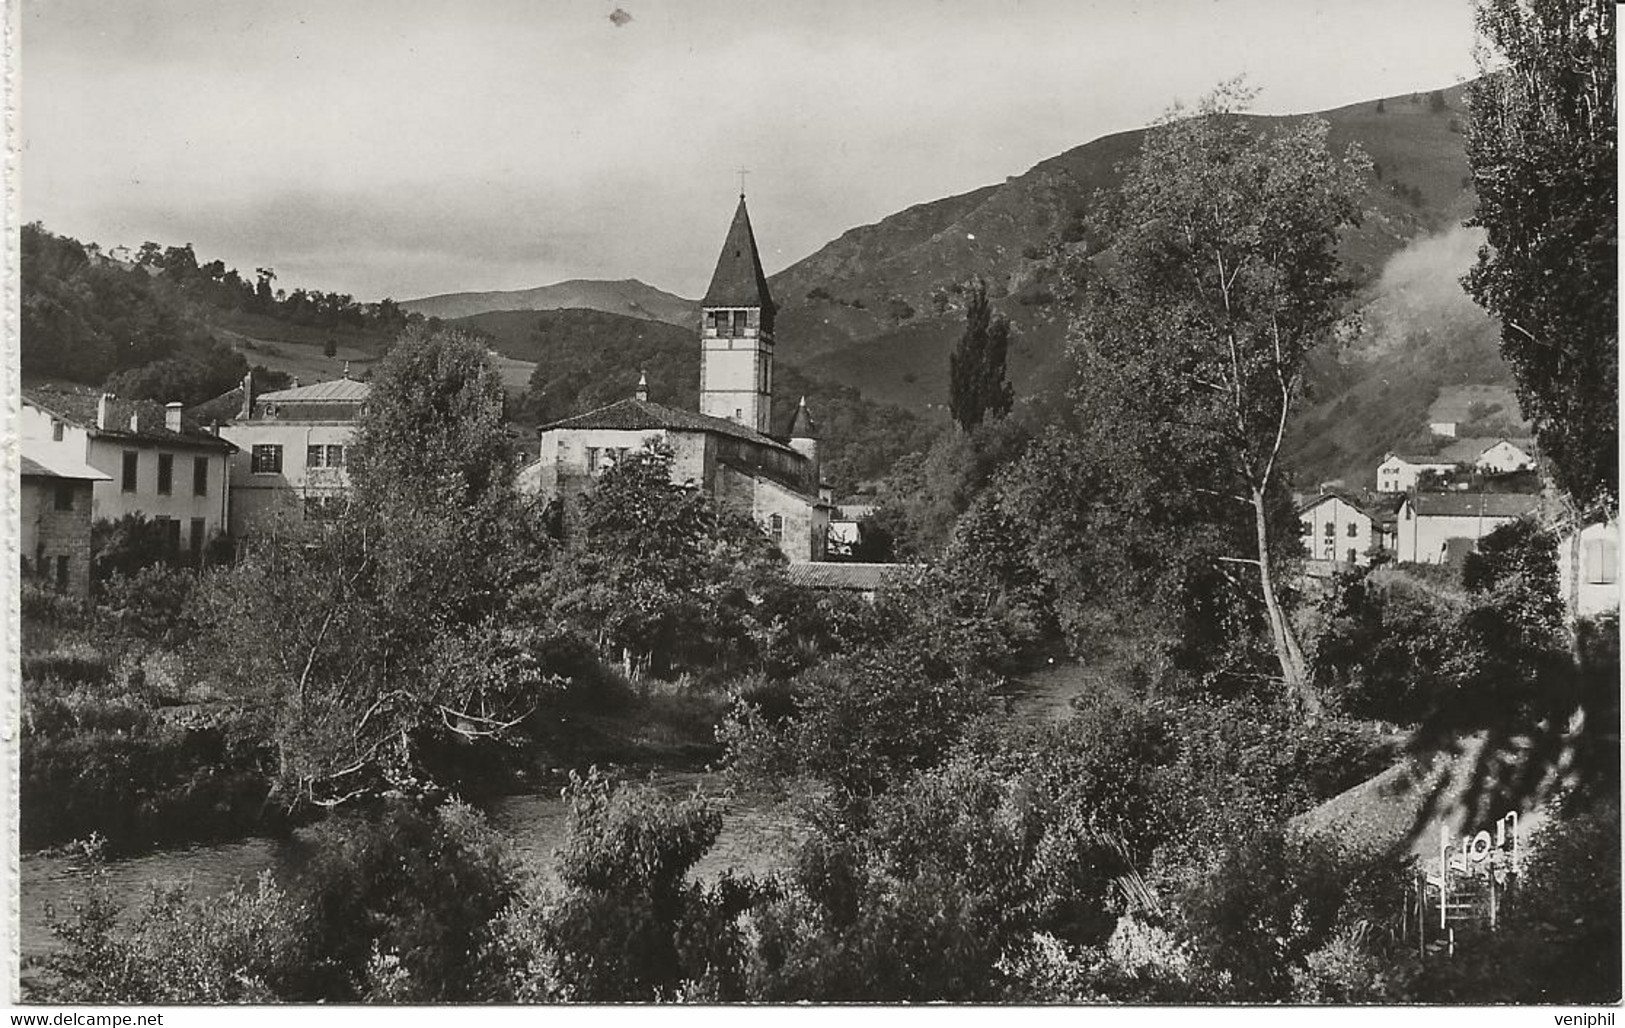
977, 387
1543, 147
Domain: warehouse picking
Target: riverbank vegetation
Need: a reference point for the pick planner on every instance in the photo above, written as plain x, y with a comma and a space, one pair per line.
1152, 846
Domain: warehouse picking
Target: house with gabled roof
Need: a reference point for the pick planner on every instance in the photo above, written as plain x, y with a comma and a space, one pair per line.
1485, 455
1437, 528
727, 447
157, 462
1338, 527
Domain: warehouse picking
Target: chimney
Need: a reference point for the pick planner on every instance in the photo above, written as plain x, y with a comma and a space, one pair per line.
643, 386
135, 417
172, 415
104, 411
248, 395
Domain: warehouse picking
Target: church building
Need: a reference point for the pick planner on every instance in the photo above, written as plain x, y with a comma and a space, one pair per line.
727, 447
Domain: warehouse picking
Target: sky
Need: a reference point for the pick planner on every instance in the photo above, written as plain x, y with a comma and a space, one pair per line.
404, 148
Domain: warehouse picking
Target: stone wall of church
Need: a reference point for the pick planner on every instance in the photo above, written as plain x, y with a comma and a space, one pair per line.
802, 530
571, 457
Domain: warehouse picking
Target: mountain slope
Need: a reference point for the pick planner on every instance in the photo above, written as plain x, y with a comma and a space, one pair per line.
626, 296
892, 284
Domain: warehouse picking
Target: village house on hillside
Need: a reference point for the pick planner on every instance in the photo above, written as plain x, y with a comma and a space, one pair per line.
1439, 528
292, 451
1338, 527
726, 448
54, 523
154, 461
1489, 456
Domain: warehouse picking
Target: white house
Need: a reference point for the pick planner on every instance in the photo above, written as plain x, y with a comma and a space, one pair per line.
1505, 456
155, 462
1336, 528
293, 451
1588, 568
1399, 474
1434, 527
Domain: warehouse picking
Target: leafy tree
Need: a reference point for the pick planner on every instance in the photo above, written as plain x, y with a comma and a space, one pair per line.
1224, 280
977, 389
360, 643
1543, 149
656, 573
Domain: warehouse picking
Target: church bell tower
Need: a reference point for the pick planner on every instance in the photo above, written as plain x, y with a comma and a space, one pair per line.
736, 333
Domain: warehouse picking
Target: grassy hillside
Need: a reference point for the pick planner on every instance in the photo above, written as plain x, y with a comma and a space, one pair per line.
880, 307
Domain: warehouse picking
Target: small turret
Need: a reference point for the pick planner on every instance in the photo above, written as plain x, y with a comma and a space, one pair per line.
804, 440
643, 387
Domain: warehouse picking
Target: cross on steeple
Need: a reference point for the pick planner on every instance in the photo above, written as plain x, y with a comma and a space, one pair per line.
742, 173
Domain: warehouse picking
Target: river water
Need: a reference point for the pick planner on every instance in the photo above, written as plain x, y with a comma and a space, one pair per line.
758, 835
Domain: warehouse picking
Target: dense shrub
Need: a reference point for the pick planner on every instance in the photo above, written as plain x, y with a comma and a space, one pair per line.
1260, 912
76, 664
626, 924
860, 724
151, 603
397, 904
1385, 646
178, 948
38, 603
104, 764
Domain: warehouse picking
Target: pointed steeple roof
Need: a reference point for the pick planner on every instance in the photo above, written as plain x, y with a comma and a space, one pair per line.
802, 425
738, 280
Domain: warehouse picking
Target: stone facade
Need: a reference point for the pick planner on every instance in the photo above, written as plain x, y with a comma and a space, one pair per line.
55, 531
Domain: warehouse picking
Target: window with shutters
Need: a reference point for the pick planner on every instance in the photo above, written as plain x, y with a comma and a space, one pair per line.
1601, 558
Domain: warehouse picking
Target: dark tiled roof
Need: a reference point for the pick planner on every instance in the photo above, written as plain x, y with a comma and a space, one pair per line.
1472, 505
738, 280
1466, 450
80, 409
754, 469
1335, 494
802, 425
221, 408
639, 415
856, 577
1429, 460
